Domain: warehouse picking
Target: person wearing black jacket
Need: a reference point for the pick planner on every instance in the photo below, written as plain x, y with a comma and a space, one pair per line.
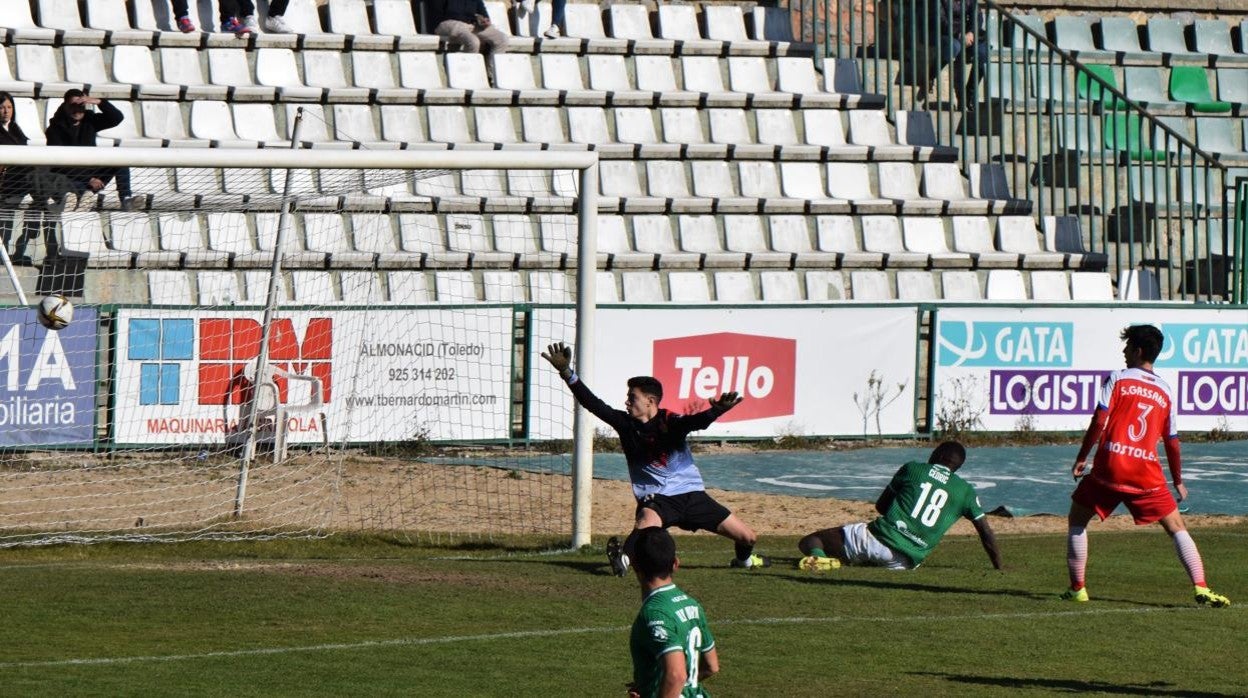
16, 181
73, 125
967, 43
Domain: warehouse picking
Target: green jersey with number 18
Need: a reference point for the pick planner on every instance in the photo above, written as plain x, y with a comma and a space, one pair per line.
669, 621
927, 499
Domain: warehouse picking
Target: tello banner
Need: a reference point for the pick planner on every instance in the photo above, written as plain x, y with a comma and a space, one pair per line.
797, 369
763, 370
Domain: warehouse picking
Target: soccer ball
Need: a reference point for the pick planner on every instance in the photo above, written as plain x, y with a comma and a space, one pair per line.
55, 312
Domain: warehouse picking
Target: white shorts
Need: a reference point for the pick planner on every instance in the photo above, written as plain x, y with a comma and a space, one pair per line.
862, 548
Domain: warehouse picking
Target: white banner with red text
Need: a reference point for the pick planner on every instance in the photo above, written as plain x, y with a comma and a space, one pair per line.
1007, 369
844, 371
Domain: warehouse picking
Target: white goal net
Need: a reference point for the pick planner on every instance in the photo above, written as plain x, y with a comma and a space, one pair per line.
376, 375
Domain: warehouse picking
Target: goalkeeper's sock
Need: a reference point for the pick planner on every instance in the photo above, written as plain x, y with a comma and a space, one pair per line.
817, 552
744, 551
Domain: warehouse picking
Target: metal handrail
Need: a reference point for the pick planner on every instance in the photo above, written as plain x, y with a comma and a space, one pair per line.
1136, 170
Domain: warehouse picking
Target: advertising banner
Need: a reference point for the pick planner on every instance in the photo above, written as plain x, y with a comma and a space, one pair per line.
845, 371
384, 375
1041, 368
47, 380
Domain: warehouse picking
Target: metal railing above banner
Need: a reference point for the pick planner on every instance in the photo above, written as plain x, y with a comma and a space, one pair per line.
1060, 127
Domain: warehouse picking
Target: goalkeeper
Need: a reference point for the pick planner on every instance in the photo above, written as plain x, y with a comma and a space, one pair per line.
666, 483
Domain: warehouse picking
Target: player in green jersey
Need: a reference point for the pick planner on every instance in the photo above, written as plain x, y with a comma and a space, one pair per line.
918, 506
672, 647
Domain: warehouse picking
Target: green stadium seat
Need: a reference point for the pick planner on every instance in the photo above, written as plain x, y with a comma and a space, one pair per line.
1191, 84
1123, 133
1089, 89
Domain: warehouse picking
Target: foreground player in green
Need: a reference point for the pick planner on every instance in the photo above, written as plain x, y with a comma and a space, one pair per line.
916, 509
672, 647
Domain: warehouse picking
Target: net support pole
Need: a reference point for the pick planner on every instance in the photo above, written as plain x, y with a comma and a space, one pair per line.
582, 421
270, 308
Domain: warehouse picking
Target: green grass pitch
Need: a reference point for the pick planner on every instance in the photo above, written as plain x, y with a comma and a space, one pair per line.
367, 616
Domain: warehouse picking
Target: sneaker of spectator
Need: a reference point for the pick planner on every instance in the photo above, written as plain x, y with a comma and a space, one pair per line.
232, 26
277, 24
553, 32
185, 25
250, 22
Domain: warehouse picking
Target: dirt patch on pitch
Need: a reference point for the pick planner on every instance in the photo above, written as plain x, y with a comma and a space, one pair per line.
448, 498
779, 515
77, 497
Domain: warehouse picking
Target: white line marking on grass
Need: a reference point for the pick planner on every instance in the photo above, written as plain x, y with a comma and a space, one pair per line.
559, 632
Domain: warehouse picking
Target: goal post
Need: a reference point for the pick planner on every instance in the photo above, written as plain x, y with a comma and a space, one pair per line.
405, 247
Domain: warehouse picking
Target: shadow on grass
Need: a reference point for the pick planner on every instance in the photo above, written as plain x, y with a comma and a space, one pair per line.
598, 568
1153, 688
928, 588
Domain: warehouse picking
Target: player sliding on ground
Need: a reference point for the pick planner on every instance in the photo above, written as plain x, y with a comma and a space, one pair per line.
672, 647
1134, 411
918, 506
666, 483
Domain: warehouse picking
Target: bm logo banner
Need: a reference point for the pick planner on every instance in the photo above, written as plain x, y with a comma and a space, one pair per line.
217, 351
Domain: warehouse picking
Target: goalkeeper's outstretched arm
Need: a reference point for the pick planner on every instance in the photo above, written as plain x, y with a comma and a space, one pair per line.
559, 355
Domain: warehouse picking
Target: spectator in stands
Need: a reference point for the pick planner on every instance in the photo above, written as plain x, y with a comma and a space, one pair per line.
74, 125
15, 183
966, 41
915, 40
466, 23
275, 22
557, 7
231, 12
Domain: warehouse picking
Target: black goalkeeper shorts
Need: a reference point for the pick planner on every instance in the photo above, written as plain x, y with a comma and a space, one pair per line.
691, 511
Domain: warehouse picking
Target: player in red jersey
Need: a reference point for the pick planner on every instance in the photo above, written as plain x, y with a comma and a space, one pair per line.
1135, 409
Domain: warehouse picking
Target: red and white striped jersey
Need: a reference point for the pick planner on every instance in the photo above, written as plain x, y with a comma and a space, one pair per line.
1142, 411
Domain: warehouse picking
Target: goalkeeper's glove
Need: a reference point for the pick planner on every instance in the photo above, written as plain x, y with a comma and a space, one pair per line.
726, 401
560, 357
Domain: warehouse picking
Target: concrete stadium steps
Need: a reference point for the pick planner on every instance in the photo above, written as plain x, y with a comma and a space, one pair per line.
377, 240
320, 287
426, 77
339, 24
